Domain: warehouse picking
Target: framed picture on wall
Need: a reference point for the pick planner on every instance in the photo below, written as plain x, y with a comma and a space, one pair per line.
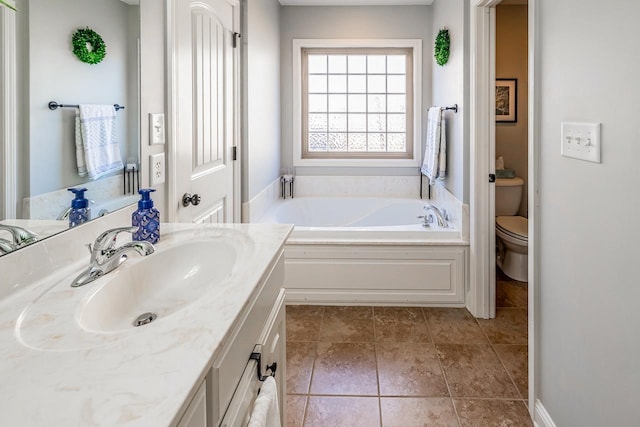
506, 100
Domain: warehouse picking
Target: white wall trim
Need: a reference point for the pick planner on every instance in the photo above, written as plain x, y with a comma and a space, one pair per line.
542, 417
364, 298
171, 119
534, 203
415, 44
9, 119
237, 115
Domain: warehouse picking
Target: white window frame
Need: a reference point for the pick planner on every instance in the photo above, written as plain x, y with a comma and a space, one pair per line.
414, 44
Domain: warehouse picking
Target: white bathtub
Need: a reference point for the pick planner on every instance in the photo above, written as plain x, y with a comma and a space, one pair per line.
370, 251
322, 219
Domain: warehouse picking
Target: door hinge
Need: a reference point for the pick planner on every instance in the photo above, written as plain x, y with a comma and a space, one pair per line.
234, 153
492, 177
236, 36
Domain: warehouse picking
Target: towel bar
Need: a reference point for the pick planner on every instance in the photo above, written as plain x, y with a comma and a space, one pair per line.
53, 105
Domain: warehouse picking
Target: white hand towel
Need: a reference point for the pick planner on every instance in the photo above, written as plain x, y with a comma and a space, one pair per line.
435, 157
97, 151
265, 410
80, 161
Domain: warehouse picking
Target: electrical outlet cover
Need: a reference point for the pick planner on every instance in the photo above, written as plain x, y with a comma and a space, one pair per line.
156, 169
581, 141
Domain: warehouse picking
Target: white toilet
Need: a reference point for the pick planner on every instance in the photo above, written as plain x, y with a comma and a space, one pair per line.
511, 229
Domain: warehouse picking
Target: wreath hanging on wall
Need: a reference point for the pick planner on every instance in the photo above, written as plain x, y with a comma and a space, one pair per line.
88, 46
443, 43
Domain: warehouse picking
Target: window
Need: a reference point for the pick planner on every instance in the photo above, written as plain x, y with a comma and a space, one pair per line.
356, 103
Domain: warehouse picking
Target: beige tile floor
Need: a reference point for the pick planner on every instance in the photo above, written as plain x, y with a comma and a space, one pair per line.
406, 366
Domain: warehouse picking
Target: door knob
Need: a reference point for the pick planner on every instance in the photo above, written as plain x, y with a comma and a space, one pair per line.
188, 199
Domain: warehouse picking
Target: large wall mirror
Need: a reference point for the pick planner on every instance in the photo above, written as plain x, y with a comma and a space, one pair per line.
48, 139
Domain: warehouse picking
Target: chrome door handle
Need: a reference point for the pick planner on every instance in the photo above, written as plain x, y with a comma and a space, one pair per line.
188, 199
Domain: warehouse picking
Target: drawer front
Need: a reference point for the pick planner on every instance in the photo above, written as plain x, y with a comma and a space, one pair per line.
273, 347
229, 366
239, 410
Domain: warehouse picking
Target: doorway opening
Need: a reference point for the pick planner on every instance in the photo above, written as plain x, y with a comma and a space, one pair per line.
509, 150
483, 49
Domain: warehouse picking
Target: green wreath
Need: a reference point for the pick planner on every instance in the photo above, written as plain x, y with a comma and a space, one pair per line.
443, 42
84, 37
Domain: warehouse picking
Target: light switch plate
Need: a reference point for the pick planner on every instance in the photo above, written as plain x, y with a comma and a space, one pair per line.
156, 169
581, 141
156, 129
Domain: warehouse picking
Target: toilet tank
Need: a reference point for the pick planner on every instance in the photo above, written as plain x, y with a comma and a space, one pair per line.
508, 196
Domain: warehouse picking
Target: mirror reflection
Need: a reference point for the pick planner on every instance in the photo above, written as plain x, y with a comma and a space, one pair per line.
78, 114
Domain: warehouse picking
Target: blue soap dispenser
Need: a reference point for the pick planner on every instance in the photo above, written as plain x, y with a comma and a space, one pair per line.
146, 218
80, 211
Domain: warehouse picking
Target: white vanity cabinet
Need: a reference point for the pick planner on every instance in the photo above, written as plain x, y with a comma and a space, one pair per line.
196, 413
260, 326
217, 291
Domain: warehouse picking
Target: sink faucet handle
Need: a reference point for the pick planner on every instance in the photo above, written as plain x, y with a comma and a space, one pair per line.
107, 240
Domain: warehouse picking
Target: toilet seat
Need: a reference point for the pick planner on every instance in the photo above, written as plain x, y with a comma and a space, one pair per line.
516, 227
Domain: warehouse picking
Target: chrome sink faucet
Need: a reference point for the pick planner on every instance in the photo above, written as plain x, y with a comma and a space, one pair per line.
21, 236
6, 246
105, 257
64, 215
441, 216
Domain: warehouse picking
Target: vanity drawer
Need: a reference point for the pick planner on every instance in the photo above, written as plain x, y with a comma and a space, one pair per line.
229, 366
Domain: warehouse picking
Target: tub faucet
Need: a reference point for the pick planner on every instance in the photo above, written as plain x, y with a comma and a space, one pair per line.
441, 216
105, 257
21, 236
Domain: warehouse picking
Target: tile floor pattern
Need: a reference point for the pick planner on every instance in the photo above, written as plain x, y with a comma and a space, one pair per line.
404, 366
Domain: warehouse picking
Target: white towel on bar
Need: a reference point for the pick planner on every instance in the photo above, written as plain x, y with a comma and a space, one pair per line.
265, 411
97, 151
434, 165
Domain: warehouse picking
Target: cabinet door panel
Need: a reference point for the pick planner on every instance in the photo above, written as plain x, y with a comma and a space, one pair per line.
196, 413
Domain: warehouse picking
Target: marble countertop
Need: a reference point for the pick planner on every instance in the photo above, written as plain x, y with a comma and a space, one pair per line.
141, 377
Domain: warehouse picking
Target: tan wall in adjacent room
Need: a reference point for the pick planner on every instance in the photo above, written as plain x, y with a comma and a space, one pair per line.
511, 62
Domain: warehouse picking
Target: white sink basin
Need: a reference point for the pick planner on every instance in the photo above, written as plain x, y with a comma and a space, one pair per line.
162, 284
185, 267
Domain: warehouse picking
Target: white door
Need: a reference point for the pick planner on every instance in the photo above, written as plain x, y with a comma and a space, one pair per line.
203, 111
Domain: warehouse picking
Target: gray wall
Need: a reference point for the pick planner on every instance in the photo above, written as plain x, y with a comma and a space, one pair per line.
152, 91
589, 292
261, 40
408, 22
450, 85
56, 74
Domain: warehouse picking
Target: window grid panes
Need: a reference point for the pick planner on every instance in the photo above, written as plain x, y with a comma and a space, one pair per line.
356, 103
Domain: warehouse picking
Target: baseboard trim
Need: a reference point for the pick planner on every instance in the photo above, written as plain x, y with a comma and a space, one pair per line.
364, 298
541, 416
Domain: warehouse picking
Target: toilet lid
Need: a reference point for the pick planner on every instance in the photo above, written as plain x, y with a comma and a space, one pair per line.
517, 226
